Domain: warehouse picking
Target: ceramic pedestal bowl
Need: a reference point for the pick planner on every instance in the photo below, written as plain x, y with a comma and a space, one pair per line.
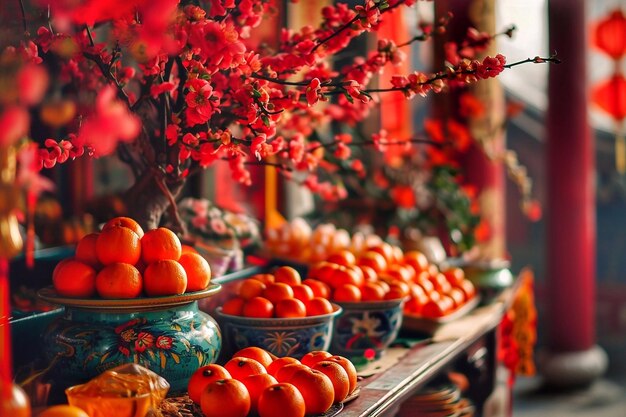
281, 336
366, 325
168, 335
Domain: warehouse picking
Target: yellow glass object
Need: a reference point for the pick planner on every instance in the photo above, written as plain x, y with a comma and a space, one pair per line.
126, 391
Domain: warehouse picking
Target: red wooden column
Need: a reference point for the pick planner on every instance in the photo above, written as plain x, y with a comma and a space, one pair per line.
572, 357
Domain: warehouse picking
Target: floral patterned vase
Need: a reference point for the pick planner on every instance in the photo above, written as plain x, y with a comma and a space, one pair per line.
366, 326
172, 341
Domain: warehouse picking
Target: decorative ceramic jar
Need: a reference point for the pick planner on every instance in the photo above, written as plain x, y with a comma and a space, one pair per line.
281, 336
168, 335
366, 325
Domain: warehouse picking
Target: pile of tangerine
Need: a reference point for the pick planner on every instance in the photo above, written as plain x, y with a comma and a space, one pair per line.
121, 262
255, 380
282, 294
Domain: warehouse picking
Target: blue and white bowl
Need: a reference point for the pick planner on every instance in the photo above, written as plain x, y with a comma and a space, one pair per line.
366, 325
293, 337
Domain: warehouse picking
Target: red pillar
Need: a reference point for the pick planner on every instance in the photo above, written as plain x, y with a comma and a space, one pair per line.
571, 228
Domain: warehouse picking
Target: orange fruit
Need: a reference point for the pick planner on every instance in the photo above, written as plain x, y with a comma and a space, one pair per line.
287, 275
315, 356
198, 271
277, 291
164, 277
160, 244
202, 377
372, 291
242, 367
468, 288
250, 288
321, 270
234, 306
281, 400
260, 355
74, 279
337, 375
458, 297
347, 293
118, 244
374, 260
119, 281
400, 272
286, 371
319, 306
256, 384
343, 257
264, 278
316, 389
277, 364
343, 275
290, 307
59, 265
320, 289
303, 293
417, 260
258, 307
125, 222
348, 367
369, 275
187, 249
435, 308
225, 398
86, 250
441, 283
454, 276
63, 411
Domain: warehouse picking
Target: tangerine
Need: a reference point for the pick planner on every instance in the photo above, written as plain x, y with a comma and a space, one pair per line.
348, 367
160, 244
319, 306
277, 364
303, 293
342, 275
74, 279
315, 356
468, 288
337, 375
264, 278
284, 373
372, 291
277, 291
281, 400
165, 277
258, 307
250, 288
454, 275
118, 244
187, 249
119, 281
198, 271
287, 275
86, 250
347, 293
374, 260
316, 389
385, 249
369, 275
225, 398
234, 306
320, 289
417, 260
242, 367
252, 352
290, 308
256, 384
124, 222
202, 377
343, 257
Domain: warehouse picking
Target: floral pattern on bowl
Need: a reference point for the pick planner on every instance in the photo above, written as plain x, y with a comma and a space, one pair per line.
366, 325
282, 337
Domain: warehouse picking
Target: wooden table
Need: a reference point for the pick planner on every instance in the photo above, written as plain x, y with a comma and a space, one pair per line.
468, 345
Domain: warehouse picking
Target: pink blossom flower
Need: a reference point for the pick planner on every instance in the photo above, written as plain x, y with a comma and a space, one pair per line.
201, 101
314, 92
491, 66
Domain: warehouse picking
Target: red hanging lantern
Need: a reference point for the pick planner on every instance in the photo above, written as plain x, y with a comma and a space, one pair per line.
610, 96
610, 35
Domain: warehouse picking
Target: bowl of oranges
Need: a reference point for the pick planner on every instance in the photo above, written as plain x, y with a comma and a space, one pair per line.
279, 312
371, 288
131, 296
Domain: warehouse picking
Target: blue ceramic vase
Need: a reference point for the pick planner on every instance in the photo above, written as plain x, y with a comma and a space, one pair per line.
172, 341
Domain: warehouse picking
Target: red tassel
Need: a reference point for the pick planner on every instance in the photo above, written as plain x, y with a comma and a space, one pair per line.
31, 200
